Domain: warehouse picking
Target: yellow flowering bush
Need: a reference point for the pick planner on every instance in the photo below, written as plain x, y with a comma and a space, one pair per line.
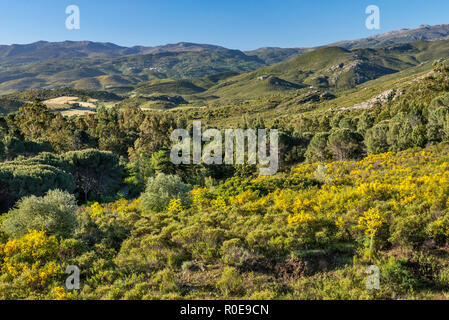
124, 206
439, 229
32, 258
119, 207
59, 293
35, 245
96, 210
242, 198
371, 222
201, 198
301, 218
175, 206
219, 203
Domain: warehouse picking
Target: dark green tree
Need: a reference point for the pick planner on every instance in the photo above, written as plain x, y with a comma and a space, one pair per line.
19, 179
376, 138
98, 174
345, 144
317, 149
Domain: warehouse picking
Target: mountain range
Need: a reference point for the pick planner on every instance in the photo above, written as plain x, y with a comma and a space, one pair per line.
107, 66
43, 50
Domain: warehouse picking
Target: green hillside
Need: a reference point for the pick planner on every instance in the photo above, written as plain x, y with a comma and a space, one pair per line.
332, 68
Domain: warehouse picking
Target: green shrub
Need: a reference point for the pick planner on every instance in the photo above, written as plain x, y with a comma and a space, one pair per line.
397, 275
230, 282
167, 282
201, 241
148, 253
235, 254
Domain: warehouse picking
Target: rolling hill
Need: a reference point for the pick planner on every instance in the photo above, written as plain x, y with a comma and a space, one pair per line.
107, 66
44, 50
331, 69
315, 76
104, 72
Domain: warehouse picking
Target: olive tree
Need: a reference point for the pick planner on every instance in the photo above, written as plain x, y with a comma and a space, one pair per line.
161, 189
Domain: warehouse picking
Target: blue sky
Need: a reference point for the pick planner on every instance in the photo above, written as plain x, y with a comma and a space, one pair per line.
243, 24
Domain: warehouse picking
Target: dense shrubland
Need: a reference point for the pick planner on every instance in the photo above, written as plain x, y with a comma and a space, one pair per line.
355, 189
310, 233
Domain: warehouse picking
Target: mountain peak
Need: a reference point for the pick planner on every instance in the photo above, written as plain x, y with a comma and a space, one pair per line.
423, 32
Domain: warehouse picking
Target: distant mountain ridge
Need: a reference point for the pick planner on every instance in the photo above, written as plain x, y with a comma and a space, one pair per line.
43, 50
424, 32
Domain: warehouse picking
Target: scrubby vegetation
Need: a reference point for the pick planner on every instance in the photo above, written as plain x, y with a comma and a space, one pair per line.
357, 187
307, 234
